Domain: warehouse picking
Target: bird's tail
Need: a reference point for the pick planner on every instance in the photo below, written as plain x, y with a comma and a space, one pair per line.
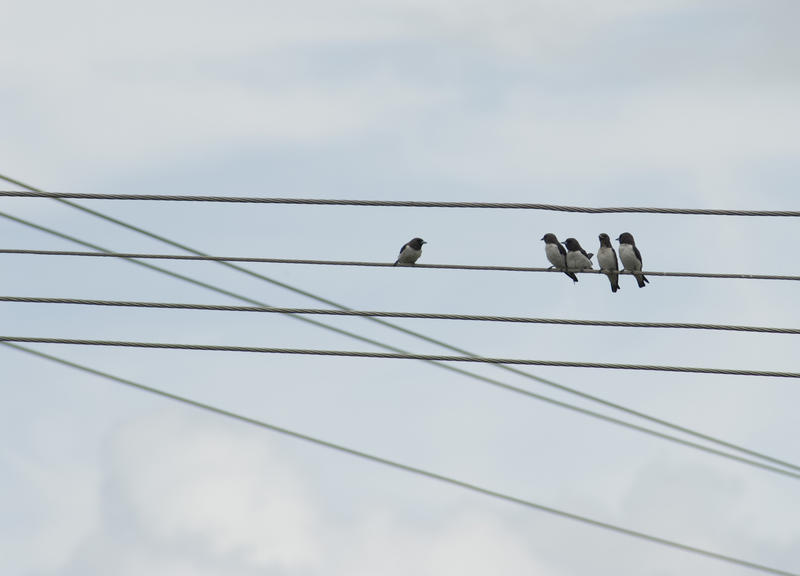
572, 275
640, 278
613, 278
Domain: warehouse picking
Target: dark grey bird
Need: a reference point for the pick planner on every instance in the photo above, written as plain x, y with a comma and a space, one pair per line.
631, 257
557, 254
577, 257
607, 259
410, 252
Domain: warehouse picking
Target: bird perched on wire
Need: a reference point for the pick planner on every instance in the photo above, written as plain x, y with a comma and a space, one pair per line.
410, 252
631, 257
607, 259
556, 254
577, 257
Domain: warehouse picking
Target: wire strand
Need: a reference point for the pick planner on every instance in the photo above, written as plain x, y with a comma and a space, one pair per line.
410, 469
455, 369
394, 356
408, 315
492, 381
262, 260
398, 203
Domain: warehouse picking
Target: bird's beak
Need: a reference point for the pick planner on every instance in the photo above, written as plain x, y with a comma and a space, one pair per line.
542, 238
617, 238
424, 242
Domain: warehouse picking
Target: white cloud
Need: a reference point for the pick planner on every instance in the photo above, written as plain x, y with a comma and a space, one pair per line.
471, 541
189, 495
530, 30
485, 98
222, 486
141, 84
475, 544
51, 495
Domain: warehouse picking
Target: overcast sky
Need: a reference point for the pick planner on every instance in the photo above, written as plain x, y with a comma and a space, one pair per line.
615, 103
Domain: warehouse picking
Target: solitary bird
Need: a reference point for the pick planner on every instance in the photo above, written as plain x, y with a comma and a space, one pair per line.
556, 254
577, 258
631, 257
410, 252
607, 259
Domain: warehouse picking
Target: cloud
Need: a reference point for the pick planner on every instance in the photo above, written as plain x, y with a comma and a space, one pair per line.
50, 497
123, 89
221, 487
187, 495
623, 103
183, 493
473, 540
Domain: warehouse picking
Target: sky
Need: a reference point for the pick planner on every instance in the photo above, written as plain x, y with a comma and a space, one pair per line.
667, 103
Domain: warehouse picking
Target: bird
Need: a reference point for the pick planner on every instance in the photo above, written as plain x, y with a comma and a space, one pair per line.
410, 252
631, 257
557, 254
577, 258
607, 259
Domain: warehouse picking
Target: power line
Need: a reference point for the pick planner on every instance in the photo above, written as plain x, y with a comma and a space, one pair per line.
485, 379
473, 375
408, 315
411, 469
262, 260
488, 380
395, 356
396, 203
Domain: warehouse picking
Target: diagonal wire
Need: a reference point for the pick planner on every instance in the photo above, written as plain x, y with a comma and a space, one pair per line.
523, 373
33, 193
473, 375
410, 315
484, 268
411, 469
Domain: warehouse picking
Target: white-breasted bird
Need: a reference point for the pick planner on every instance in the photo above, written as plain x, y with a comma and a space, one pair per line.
557, 254
577, 257
410, 252
631, 257
607, 259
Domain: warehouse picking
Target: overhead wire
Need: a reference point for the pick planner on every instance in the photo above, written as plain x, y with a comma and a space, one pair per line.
405, 315
485, 268
394, 203
492, 381
411, 469
399, 356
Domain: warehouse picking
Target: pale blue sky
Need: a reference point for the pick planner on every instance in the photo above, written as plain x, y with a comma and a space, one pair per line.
667, 103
